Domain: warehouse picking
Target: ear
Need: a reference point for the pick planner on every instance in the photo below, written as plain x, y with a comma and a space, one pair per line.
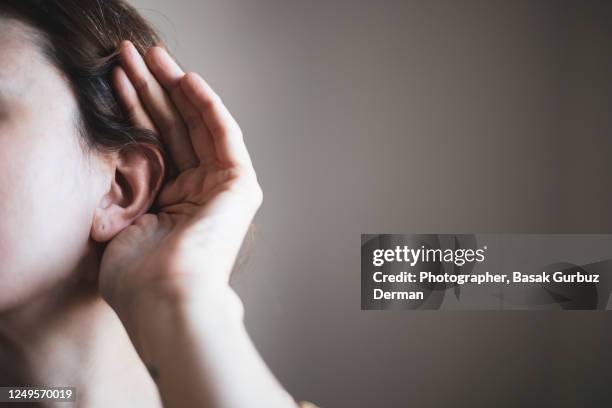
138, 173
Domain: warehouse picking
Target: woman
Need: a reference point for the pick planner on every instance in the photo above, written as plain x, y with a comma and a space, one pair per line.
126, 192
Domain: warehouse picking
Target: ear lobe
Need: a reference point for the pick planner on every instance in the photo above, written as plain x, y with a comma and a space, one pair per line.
136, 180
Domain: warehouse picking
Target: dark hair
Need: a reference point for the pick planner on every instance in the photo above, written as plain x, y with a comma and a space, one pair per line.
81, 38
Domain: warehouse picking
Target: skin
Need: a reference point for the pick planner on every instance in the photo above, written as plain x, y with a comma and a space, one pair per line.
97, 293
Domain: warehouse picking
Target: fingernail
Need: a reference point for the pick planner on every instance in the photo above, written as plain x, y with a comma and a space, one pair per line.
131, 49
125, 44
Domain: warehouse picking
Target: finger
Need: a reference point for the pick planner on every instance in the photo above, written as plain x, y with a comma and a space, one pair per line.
157, 102
227, 136
169, 75
128, 99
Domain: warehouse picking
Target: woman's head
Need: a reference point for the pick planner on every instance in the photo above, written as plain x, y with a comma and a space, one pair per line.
68, 153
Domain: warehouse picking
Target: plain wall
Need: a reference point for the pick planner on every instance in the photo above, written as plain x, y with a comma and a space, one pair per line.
405, 117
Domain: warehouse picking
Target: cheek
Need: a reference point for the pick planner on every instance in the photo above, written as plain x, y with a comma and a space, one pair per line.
45, 208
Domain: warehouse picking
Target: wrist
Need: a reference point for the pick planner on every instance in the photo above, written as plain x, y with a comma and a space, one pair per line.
150, 318
202, 341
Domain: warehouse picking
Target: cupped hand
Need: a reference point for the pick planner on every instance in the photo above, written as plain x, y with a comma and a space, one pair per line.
185, 251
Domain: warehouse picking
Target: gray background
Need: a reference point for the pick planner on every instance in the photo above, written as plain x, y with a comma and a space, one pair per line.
405, 117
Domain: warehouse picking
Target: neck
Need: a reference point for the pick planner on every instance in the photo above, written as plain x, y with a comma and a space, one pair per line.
70, 337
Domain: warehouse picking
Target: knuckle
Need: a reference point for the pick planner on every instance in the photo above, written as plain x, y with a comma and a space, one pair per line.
192, 75
141, 84
248, 184
168, 126
191, 78
131, 111
234, 128
192, 122
208, 105
238, 307
258, 194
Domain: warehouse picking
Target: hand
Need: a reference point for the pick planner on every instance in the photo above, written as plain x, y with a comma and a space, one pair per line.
167, 274
185, 252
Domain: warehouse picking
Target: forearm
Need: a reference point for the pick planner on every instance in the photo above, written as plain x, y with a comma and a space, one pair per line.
202, 355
